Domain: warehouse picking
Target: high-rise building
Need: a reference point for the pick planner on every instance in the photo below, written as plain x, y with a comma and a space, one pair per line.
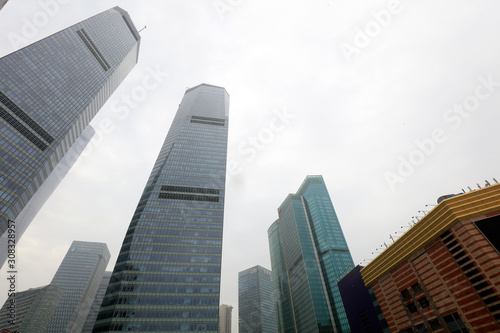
225, 314
49, 92
282, 298
256, 307
443, 274
314, 254
2, 3
167, 276
363, 312
96, 305
30, 310
79, 276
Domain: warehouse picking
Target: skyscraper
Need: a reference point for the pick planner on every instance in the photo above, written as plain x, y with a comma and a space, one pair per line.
167, 276
49, 92
225, 316
256, 307
2, 3
96, 305
309, 254
79, 276
30, 310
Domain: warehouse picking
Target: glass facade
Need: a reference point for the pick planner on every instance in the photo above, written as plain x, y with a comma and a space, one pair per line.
96, 305
49, 92
307, 242
282, 298
256, 309
34, 309
167, 276
79, 276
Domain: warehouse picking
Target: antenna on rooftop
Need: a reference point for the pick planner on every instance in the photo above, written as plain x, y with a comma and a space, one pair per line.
478, 185
487, 183
141, 29
495, 180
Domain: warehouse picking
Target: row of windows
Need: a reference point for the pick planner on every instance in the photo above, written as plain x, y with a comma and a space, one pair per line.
93, 49
189, 189
173, 248
170, 258
152, 267
157, 327
26, 118
190, 197
148, 288
168, 278
164, 300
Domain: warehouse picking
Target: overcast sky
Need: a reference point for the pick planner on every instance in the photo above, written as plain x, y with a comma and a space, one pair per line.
395, 103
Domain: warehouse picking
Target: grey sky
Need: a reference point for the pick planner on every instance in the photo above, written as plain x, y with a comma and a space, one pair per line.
360, 92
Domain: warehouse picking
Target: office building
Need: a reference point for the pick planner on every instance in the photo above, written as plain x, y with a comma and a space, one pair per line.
79, 276
256, 307
443, 274
363, 312
30, 310
2, 3
225, 314
170, 260
282, 298
49, 93
96, 305
310, 254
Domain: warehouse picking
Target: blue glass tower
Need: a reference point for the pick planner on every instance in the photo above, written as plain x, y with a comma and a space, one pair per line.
167, 276
256, 309
49, 93
314, 253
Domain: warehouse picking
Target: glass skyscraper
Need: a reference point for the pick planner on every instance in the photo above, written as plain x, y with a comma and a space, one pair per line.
96, 305
79, 276
32, 310
167, 275
49, 92
309, 254
256, 307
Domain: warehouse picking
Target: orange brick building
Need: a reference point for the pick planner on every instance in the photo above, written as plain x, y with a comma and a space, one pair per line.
443, 275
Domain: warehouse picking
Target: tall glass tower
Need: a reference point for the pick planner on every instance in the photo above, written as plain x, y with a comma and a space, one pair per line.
79, 276
167, 275
49, 92
256, 309
308, 243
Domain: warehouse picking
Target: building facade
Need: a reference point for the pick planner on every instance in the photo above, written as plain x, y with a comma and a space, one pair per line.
256, 307
225, 318
167, 276
2, 3
49, 92
30, 310
79, 276
314, 253
363, 312
282, 299
443, 274
96, 305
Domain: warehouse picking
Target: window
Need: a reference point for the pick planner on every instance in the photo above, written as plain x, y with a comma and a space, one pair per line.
417, 288
455, 323
406, 294
434, 324
423, 302
412, 308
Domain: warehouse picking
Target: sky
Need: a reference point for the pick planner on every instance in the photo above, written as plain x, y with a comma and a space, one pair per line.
393, 102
